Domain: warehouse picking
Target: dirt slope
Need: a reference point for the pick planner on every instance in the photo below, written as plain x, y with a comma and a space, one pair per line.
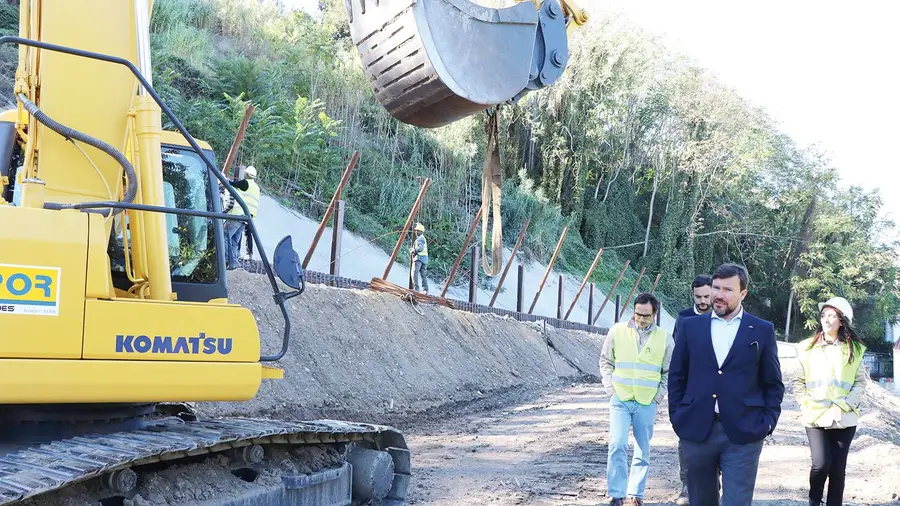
362, 355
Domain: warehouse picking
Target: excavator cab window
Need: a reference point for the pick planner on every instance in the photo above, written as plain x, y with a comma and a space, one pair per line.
195, 257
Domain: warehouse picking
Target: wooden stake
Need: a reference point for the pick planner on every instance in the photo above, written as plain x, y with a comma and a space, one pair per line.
330, 209
549, 268
462, 252
238, 140
655, 282
510, 261
611, 291
631, 294
406, 226
584, 283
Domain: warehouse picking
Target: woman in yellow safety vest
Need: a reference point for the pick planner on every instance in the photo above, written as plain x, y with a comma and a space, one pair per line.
829, 387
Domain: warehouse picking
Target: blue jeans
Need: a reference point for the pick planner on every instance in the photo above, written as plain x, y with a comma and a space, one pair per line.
625, 417
233, 231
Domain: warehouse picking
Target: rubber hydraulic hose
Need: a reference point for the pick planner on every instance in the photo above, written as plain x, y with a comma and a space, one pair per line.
71, 133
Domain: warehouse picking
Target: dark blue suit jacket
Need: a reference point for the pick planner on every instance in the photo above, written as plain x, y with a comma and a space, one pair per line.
748, 386
684, 313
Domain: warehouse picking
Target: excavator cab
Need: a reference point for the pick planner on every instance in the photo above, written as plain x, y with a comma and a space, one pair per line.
432, 62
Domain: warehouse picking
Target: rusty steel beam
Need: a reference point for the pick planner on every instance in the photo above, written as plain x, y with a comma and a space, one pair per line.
462, 253
583, 283
549, 268
631, 293
406, 226
611, 291
512, 256
330, 209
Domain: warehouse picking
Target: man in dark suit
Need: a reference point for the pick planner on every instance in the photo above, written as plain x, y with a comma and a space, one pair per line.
701, 291
725, 393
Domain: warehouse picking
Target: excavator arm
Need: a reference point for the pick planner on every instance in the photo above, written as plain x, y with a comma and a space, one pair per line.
433, 62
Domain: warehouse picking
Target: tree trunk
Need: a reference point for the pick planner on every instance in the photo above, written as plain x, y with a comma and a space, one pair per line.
650, 214
787, 319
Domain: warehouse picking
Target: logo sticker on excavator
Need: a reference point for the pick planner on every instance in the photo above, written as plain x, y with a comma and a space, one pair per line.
30, 290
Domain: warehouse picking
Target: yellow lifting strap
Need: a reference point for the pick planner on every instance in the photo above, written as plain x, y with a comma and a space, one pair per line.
491, 180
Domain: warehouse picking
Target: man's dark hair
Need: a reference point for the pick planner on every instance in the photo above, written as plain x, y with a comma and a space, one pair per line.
731, 270
647, 298
701, 280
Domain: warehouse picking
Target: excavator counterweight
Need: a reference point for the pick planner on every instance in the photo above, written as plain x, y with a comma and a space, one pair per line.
432, 62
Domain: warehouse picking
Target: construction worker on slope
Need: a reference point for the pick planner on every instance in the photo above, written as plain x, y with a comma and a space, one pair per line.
634, 367
419, 256
234, 229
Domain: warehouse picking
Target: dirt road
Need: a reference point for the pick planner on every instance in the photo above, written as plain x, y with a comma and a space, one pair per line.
553, 452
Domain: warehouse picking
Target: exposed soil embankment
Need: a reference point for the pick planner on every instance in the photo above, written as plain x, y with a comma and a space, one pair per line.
362, 355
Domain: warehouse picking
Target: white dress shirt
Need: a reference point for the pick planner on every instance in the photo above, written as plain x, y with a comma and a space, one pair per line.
723, 334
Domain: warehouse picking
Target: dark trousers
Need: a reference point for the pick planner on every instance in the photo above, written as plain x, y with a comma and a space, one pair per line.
738, 464
682, 465
829, 449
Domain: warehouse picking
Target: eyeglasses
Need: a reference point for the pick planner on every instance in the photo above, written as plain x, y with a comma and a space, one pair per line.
639, 316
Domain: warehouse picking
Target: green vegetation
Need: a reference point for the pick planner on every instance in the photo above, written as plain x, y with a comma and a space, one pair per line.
635, 149
629, 124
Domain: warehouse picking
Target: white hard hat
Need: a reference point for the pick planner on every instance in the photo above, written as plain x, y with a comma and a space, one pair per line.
250, 172
841, 305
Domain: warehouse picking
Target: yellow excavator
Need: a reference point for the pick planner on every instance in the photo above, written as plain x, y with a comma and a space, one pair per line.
113, 291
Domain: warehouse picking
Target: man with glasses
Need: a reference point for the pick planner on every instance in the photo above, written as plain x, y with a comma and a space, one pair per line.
634, 367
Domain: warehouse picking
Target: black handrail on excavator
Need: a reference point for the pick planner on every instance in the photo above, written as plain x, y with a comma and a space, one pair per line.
279, 296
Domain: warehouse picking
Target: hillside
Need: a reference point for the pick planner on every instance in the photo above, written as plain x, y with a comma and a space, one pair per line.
635, 149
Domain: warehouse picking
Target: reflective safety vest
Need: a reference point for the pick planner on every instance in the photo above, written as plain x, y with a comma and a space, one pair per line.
828, 379
251, 198
637, 373
421, 249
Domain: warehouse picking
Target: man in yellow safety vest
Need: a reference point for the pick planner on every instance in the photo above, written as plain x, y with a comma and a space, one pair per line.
249, 191
634, 367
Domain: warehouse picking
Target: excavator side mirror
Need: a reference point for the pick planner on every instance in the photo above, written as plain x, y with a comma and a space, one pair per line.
286, 264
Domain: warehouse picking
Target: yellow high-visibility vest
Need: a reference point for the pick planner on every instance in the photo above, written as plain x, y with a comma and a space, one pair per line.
828, 381
637, 373
251, 198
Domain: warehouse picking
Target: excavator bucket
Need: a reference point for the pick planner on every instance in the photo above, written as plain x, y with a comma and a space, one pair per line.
432, 62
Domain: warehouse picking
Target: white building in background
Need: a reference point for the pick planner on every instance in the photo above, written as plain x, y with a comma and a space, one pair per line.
892, 335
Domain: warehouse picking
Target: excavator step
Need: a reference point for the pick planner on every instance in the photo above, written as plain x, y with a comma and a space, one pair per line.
38, 470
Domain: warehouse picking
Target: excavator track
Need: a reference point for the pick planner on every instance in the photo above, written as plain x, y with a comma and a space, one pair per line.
38, 470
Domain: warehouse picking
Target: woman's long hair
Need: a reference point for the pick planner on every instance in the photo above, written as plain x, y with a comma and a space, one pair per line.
846, 334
